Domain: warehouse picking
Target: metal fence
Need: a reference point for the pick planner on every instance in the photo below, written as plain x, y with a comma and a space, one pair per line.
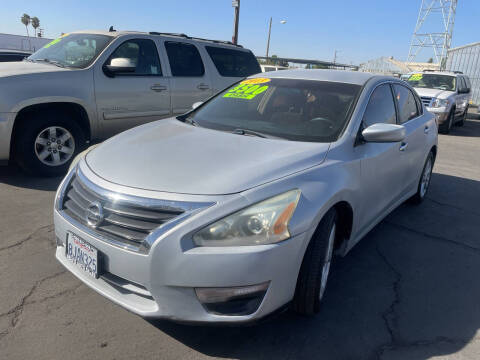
467, 60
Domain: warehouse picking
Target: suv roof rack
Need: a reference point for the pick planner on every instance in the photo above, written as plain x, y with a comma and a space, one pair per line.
429, 70
194, 38
457, 72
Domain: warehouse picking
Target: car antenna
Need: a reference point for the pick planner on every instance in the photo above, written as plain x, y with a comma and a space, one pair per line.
111, 29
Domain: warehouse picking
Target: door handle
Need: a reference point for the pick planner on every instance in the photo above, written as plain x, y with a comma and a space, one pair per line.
403, 146
158, 87
203, 87
426, 130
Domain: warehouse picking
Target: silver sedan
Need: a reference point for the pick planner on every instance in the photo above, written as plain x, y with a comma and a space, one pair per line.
235, 209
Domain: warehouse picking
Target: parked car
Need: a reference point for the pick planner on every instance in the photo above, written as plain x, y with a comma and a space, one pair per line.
91, 85
267, 68
235, 209
446, 94
8, 55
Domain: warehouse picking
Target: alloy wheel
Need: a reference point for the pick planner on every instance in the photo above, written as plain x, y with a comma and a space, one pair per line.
327, 262
427, 174
54, 146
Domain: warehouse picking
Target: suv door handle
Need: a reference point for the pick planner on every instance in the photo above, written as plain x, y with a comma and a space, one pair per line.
203, 87
158, 87
403, 146
426, 130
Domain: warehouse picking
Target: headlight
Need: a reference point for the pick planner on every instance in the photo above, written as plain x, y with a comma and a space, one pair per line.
436, 103
263, 223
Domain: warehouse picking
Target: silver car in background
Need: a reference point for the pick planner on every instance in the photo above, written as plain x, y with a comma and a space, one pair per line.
235, 209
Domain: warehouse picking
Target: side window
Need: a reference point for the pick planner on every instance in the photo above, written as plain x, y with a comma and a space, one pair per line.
461, 82
184, 59
407, 106
380, 108
419, 105
467, 82
234, 63
143, 54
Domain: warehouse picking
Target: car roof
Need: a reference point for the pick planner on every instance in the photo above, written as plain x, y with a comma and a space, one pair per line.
344, 76
116, 33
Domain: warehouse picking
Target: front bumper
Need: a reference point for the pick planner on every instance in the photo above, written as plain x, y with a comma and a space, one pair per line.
162, 283
441, 114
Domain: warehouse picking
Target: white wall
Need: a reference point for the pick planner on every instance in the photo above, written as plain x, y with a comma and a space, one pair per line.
19, 42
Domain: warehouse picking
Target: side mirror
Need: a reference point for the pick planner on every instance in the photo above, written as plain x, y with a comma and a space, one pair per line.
463, 90
120, 65
380, 133
197, 104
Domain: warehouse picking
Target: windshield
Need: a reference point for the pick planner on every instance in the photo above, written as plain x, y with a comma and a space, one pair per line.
74, 50
300, 110
433, 81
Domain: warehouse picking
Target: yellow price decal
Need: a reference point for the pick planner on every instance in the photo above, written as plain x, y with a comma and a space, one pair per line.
415, 77
53, 42
245, 91
255, 81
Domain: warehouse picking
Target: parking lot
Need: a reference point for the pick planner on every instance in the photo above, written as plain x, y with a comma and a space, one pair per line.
408, 290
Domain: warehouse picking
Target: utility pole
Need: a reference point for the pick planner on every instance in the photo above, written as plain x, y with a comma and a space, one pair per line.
236, 6
268, 41
335, 56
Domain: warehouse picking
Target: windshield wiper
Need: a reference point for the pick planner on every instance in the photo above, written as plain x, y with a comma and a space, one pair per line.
249, 133
53, 62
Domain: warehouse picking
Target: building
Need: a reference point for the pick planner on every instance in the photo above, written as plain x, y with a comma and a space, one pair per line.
20, 42
467, 60
390, 66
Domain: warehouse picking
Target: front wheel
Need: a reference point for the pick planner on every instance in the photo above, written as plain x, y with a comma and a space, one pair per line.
447, 126
45, 145
313, 276
464, 117
424, 182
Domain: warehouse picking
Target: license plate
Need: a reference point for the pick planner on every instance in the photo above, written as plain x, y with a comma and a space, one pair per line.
82, 254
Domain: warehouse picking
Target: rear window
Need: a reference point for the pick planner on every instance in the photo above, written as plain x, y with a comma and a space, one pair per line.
233, 63
184, 59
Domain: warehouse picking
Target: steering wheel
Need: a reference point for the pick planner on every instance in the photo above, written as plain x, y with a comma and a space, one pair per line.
329, 122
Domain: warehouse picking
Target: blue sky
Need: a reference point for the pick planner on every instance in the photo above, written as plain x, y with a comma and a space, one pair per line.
359, 29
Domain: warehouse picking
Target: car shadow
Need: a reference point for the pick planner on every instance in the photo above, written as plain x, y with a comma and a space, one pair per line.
471, 128
408, 290
13, 175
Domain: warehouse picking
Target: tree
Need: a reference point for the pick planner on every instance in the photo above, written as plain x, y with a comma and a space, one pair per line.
25, 19
35, 23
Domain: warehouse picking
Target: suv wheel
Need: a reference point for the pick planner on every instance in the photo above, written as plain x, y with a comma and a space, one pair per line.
447, 126
313, 276
424, 182
47, 143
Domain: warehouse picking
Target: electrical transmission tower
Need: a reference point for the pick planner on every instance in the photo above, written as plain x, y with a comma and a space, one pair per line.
434, 29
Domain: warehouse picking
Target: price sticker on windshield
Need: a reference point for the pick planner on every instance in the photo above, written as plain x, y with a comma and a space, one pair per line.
415, 77
53, 42
246, 91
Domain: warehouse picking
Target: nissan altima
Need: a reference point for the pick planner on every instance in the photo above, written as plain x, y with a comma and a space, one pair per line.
236, 209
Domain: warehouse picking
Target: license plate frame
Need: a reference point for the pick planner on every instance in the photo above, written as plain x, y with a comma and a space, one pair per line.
82, 254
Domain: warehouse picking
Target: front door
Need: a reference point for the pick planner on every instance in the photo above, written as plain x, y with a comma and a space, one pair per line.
132, 98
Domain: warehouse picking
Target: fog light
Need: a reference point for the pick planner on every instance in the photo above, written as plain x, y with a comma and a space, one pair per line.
241, 300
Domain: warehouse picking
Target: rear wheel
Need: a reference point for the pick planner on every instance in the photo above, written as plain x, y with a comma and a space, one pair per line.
424, 182
313, 276
47, 142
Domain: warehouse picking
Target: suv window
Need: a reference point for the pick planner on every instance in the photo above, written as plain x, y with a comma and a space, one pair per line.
141, 52
184, 59
235, 63
407, 106
461, 83
467, 82
380, 108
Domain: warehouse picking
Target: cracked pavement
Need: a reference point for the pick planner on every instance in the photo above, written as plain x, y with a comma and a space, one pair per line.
408, 290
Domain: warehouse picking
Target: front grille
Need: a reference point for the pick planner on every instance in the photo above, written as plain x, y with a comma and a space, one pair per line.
426, 100
125, 223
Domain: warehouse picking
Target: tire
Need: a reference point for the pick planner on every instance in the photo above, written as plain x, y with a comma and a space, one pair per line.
447, 126
464, 117
34, 150
312, 279
424, 182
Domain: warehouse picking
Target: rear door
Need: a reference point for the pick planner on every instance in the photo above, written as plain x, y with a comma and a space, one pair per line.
413, 149
190, 82
130, 99
231, 65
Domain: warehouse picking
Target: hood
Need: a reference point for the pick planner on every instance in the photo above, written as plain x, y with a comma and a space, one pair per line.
434, 93
26, 67
171, 156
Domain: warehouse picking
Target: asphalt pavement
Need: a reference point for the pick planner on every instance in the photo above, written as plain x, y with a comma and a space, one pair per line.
409, 290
